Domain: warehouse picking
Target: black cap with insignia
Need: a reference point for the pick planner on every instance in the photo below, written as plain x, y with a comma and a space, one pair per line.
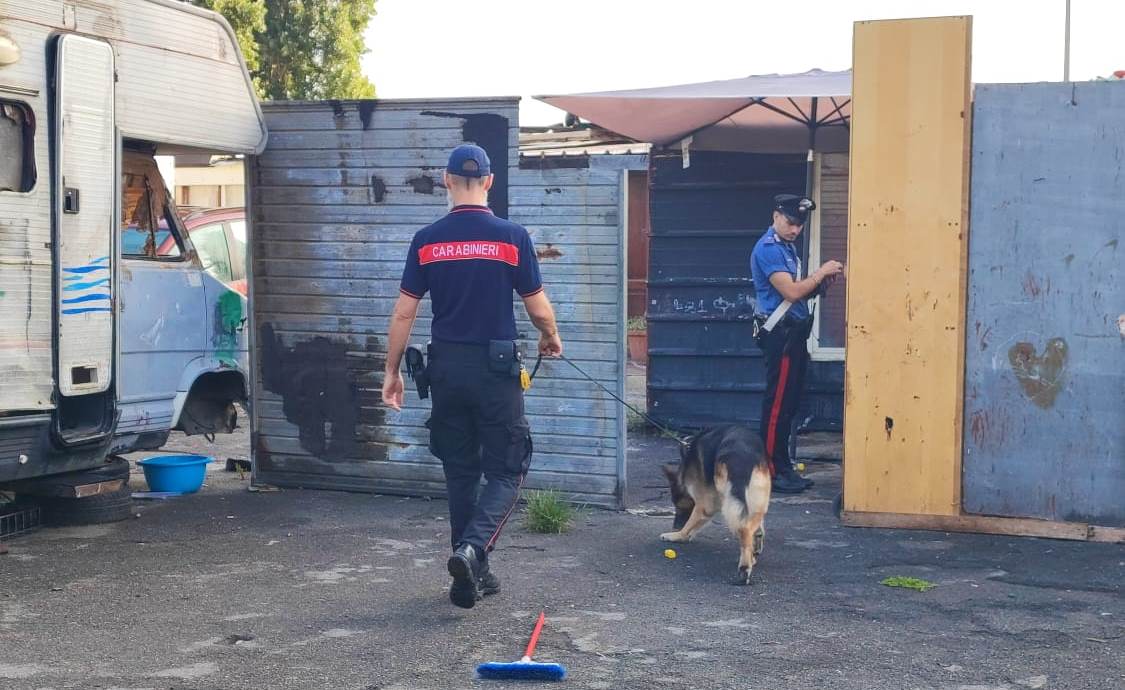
795, 208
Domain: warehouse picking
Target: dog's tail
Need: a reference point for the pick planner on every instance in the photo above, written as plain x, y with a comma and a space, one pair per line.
743, 454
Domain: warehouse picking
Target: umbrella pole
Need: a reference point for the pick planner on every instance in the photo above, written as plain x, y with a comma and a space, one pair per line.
809, 183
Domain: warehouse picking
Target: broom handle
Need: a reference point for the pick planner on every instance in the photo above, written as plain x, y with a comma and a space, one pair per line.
535, 636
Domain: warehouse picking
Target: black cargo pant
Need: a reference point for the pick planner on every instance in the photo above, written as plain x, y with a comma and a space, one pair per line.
787, 359
477, 427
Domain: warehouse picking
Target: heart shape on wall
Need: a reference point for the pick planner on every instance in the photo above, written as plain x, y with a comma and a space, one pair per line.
1040, 375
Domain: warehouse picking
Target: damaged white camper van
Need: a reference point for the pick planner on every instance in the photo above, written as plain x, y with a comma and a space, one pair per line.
111, 332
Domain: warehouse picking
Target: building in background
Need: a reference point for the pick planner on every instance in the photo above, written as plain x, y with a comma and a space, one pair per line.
576, 143
720, 152
204, 181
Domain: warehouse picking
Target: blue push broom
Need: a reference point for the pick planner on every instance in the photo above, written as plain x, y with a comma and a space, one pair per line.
525, 668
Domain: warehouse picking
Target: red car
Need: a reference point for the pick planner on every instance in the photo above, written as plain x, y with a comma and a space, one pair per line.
219, 237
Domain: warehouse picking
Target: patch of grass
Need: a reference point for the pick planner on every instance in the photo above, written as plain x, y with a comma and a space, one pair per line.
636, 324
909, 583
548, 513
634, 422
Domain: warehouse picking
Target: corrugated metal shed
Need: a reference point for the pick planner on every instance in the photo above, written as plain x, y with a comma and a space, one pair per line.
337, 196
574, 141
1044, 432
704, 366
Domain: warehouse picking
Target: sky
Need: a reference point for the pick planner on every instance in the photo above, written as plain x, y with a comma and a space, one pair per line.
446, 48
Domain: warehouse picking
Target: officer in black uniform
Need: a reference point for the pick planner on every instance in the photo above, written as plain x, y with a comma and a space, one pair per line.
782, 323
470, 262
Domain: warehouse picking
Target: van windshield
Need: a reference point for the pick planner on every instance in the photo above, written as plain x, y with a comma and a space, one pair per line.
146, 208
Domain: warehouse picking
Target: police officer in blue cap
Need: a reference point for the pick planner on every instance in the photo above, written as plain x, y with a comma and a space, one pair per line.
470, 262
782, 324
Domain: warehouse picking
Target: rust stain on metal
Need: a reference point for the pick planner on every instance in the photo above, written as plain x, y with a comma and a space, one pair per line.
378, 190
982, 336
987, 430
1031, 286
366, 110
321, 385
259, 449
422, 184
490, 132
110, 25
1040, 376
531, 162
549, 252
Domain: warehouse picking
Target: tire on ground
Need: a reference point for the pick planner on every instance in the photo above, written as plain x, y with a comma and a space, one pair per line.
109, 507
112, 469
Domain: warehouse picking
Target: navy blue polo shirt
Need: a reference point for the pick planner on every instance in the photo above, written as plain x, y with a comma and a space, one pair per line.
774, 255
470, 261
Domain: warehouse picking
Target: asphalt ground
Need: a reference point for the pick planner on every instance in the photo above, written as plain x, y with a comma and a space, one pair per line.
229, 588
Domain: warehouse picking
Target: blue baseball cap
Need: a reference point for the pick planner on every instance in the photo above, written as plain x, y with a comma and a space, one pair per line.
469, 160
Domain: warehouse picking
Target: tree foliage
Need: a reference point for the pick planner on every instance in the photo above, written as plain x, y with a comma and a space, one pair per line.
301, 49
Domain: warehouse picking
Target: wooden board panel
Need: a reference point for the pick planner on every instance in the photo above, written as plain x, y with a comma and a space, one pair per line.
907, 253
983, 524
832, 220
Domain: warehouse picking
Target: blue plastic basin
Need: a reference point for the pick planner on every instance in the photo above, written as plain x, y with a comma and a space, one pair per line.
182, 473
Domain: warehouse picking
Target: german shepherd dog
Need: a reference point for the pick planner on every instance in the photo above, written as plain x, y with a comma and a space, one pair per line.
724, 468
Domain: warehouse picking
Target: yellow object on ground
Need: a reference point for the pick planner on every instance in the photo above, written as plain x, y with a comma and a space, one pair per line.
669, 553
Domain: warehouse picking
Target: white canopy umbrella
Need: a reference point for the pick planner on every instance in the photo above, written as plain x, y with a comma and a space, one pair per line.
774, 113
771, 113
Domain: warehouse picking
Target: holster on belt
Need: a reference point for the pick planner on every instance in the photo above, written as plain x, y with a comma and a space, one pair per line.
504, 357
788, 329
416, 370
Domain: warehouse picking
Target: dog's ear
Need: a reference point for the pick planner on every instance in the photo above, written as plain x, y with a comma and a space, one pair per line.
672, 472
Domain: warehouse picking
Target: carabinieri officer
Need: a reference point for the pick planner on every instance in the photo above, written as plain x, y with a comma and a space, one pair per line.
470, 262
782, 327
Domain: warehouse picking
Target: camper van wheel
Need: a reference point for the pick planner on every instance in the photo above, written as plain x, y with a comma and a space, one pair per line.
108, 507
62, 485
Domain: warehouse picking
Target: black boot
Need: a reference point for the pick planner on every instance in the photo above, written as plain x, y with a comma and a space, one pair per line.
790, 482
465, 567
488, 582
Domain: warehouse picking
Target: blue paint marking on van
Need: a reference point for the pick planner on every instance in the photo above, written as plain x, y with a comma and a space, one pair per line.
88, 298
85, 269
86, 310
86, 286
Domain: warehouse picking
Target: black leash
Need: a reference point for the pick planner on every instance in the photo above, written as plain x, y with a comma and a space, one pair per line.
667, 432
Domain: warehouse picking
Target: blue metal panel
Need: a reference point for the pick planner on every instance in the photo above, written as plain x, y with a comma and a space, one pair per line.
1045, 354
704, 366
337, 196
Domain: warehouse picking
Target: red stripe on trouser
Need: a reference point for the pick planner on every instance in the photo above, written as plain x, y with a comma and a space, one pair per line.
778, 396
500, 525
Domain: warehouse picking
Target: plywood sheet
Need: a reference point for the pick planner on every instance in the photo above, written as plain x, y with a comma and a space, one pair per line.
907, 255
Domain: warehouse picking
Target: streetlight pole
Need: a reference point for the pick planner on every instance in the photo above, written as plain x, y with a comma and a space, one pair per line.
1066, 49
